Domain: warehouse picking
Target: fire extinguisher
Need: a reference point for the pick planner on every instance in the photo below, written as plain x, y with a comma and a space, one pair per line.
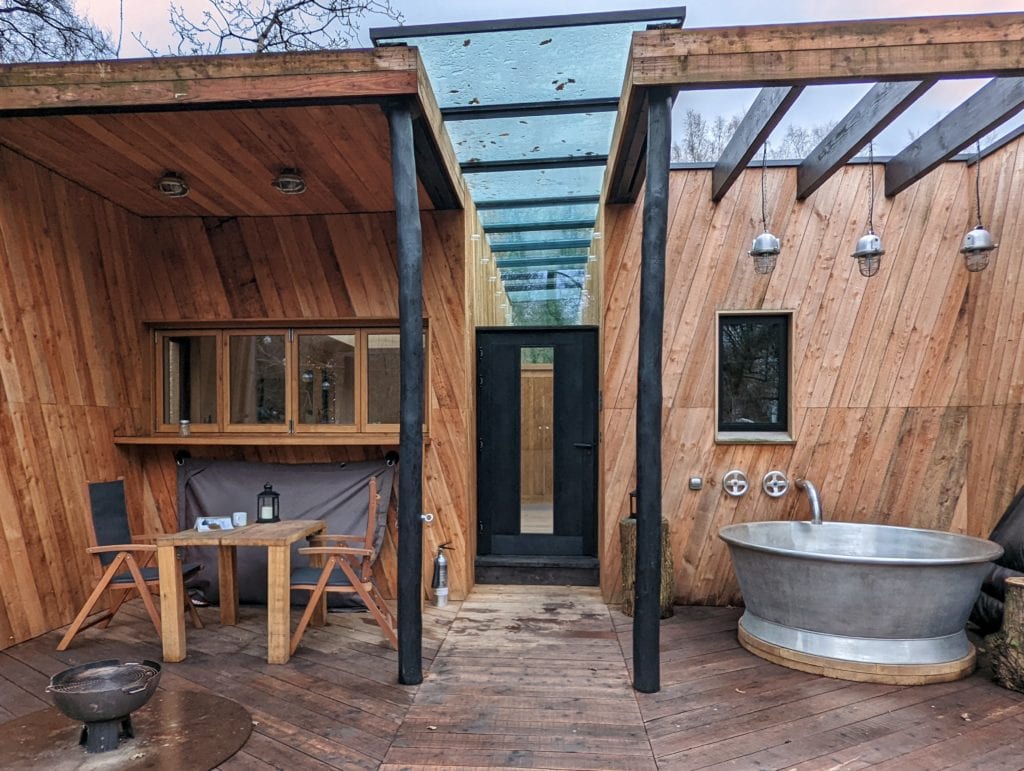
439, 583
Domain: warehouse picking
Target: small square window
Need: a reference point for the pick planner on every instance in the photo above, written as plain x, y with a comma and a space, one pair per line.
753, 377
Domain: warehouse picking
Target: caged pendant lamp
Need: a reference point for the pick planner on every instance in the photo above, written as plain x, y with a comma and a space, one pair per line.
766, 246
978, 243
869, 249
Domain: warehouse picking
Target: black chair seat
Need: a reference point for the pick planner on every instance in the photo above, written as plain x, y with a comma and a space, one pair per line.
310, 576
188, 570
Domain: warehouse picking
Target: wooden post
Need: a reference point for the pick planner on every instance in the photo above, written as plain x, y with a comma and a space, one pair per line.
646, 630
410, 469
627, 541
1007, 646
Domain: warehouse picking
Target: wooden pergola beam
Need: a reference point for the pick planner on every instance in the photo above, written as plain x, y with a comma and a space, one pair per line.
869, 117
769, 107
993, 104
833, 52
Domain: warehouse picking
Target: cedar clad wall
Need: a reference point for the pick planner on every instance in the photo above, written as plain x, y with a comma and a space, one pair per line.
908, 388
79, 275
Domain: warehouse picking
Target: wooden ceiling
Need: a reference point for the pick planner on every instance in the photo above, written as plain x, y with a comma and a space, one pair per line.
228, 157
229, 125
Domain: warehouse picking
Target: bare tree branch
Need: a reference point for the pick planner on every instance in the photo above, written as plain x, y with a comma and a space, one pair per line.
228, 26
38, 30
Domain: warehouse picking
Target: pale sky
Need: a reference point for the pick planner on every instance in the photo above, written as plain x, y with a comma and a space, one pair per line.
816, 105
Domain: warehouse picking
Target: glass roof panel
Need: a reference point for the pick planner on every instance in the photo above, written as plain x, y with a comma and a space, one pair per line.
542, 183
532, 137
524, 214
520, 90
526, 65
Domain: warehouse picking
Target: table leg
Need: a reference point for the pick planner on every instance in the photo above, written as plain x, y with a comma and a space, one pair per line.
279, 559
172, 603
227, 572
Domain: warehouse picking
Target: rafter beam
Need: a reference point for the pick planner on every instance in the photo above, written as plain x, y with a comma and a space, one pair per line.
993, 104
527, 227
533, 164
831, 52
539, 246
531, 109
769, 107
541, 263
869, 117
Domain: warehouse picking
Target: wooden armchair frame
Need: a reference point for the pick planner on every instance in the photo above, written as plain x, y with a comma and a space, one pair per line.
353, 556
133, 557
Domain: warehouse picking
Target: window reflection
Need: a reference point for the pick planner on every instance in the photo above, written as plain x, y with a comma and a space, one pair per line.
256, 375
327, 366
753, 373
383, 367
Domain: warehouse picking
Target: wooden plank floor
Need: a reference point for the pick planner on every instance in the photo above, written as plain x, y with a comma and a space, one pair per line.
535, 677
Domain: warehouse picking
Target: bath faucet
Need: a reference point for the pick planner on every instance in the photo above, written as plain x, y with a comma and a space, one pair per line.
812, 496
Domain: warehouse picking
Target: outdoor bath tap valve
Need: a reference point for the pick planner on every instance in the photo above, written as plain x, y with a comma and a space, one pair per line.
735, 483
775, 484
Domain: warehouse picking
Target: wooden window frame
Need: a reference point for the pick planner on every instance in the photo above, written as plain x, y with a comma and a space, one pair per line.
360, 388
756, 435
255, 428
159, 425
291, 330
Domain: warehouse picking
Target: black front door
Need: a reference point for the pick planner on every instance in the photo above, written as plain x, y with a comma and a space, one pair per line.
537, 441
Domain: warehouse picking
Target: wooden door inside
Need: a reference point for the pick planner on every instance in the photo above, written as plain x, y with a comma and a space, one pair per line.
537, 432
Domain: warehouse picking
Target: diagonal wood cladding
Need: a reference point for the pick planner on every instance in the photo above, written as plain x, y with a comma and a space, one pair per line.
78, 277
908, 387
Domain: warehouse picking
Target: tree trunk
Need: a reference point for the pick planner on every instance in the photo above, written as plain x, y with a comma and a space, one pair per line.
1007, 646
627, 539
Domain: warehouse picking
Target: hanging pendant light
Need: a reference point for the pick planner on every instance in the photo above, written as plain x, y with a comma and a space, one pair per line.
978, 243
766, 246
869, 249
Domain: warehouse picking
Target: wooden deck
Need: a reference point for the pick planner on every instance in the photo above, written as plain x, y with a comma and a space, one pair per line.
536, 677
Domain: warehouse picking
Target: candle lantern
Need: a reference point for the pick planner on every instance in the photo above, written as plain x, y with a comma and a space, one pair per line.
268, 505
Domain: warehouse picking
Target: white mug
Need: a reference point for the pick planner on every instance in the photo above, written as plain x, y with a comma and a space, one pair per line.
239, 518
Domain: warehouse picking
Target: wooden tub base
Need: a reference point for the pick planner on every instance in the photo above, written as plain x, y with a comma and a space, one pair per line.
892, 674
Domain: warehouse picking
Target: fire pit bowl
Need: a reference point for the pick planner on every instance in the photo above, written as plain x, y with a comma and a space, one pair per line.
103, 694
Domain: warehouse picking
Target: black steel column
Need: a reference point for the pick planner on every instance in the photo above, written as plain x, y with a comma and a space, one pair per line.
410, 466
647, 612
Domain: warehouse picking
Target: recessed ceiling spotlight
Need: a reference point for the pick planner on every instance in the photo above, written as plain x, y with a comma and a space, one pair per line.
172, 184
290, 182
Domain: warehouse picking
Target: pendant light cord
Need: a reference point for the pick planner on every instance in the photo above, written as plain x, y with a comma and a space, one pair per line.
871, 192
977, 183
764, 210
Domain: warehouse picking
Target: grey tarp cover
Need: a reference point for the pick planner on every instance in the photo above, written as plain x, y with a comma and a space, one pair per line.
1008, 533
335, 492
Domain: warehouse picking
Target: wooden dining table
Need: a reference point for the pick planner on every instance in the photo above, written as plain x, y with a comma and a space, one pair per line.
276, 537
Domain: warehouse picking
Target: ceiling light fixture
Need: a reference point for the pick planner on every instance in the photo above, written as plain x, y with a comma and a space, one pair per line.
290, 182
766, 246
869, 249
172, 184
978, 243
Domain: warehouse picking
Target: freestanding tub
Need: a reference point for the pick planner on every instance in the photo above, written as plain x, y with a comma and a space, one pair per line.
858, 601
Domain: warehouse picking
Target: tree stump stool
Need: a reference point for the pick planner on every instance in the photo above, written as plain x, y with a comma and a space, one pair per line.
1007, 645
627, 542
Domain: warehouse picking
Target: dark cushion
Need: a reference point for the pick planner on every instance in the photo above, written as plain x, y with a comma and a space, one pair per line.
312, 576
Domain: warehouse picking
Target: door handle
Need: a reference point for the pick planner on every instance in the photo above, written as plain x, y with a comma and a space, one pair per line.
583, 446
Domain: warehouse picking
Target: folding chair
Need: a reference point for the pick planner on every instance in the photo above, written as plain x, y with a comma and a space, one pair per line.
121, 563
347, 569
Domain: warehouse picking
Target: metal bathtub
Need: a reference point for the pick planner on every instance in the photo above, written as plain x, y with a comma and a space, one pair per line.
873, 595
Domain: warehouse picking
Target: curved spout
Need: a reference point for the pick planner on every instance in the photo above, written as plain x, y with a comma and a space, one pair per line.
812, 496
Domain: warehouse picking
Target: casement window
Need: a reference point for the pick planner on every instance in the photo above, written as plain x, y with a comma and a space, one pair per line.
273, 379
753, 401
